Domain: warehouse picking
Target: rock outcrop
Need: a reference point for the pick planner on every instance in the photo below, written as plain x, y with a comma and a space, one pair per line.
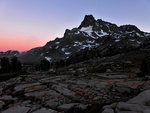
37, 93
138, 104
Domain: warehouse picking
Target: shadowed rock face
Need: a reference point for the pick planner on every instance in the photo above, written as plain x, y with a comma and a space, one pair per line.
90, 34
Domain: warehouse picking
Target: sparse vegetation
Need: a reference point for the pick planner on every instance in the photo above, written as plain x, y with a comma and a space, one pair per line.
15, 65
5, 65
10, 68
145, 67
97, 69
44, 65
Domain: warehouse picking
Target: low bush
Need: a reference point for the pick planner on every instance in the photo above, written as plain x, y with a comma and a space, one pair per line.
97, 69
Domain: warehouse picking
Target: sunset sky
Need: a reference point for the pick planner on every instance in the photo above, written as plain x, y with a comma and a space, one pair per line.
25, 24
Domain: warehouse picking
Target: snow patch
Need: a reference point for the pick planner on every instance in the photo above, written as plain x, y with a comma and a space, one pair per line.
139, 42
77, 32
56, 47
86, 46
97, 44
102, 33
15, 54
88, 30
138, 34
41, 54
57, 42
76, 43
63, 49
127, 32
132, 40
91, 42
147, 34
67, 53
117, 40
48, 58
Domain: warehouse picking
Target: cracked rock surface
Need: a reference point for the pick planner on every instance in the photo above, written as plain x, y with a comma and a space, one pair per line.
45, 93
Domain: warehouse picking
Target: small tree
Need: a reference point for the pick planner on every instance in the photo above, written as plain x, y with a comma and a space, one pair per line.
15, 65
5, 65
145, 67
44, 65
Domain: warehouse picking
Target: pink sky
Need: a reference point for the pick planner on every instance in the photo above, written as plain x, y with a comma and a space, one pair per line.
19, 42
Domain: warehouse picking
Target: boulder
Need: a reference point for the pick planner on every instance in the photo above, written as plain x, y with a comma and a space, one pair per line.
23, 86
138, 104
44, 110
17, 109
66, 107
108, 111
131, 107
142, 99
1, 104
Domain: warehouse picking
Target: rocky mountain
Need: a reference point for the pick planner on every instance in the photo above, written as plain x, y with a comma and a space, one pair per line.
9, 53
90, 34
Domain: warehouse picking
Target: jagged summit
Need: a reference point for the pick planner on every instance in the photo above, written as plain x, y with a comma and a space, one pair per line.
88, 20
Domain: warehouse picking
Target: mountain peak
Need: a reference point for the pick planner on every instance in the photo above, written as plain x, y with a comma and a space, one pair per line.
88, 20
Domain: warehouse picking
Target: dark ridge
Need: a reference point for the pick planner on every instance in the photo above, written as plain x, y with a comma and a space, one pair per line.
129, 28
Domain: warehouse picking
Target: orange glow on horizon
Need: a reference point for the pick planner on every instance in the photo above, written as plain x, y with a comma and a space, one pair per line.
18, 42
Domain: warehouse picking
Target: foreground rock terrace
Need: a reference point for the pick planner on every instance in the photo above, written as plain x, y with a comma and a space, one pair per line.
46, 93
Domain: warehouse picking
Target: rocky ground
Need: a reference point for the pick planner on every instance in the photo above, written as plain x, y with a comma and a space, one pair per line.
51, 93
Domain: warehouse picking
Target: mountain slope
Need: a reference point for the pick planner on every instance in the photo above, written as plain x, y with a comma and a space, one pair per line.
9, 53
90, 34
